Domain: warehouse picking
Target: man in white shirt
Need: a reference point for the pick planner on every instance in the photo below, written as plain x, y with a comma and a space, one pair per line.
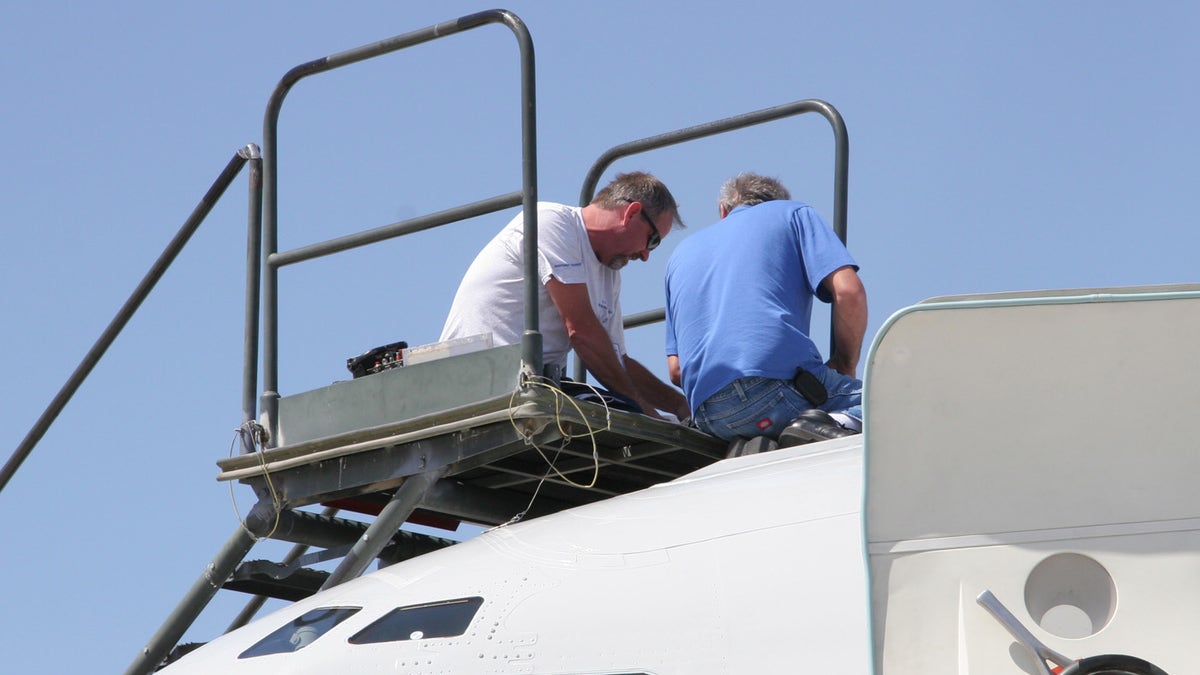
580, 253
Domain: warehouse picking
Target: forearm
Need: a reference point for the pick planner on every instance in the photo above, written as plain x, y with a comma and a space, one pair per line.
602, 362
592, 343
659, 393
849, 325
849, 321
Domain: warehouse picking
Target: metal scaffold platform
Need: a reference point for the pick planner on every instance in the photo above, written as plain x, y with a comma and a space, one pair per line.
494, 440
482, 437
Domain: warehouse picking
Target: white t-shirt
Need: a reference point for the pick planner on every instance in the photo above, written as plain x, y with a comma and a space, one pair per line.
491, 297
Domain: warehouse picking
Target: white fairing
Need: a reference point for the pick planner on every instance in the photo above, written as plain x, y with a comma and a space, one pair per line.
753, 565
1052, 461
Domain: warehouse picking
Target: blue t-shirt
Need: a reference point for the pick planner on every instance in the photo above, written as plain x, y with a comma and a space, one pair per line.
740, 292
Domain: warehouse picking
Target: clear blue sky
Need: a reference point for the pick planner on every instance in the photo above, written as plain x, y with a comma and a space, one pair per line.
994, 146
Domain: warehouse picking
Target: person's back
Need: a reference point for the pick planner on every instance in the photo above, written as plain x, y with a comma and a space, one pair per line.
739, 302
747, 298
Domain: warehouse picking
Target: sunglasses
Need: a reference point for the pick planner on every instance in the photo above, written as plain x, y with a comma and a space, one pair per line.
655, 238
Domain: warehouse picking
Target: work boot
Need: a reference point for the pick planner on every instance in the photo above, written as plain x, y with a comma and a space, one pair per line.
812, 425
750, 446
848, 421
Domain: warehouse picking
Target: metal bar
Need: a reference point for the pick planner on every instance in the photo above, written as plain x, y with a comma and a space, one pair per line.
377, 536
556, 475
253, 270
123, 315
395, 230
323, 529
256, 603
499, 430
387, 468
582, 460
645, 318
193, 603
531, 340
1040, 652
312, 529
454, 498
841, 140
841, 168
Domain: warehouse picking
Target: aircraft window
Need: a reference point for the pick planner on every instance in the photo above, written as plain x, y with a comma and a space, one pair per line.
418, 622
300, 632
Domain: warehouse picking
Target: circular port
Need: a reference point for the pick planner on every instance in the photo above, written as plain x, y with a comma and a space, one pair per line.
1070, 595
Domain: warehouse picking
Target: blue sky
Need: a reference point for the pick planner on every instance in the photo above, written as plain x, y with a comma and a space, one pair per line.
993, 146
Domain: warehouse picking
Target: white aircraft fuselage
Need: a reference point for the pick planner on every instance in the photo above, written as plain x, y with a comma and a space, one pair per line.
752, 565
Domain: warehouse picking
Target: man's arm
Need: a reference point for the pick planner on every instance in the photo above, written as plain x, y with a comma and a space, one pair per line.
849, 318
592, 343
674, 371
662, 395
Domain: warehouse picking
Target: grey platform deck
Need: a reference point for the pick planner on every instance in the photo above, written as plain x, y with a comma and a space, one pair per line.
355, 442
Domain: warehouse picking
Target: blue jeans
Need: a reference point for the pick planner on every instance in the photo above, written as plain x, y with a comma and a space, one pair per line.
761, 406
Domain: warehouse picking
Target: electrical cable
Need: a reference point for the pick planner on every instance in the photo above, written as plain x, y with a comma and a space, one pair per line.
255, 432
566, 437
559, 394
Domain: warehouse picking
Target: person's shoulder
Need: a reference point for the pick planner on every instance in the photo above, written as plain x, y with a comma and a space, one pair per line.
554, 214
557, 208
792, 210
774, 207
789, 205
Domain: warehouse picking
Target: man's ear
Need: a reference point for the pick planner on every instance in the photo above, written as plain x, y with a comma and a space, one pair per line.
629, 213
722, 210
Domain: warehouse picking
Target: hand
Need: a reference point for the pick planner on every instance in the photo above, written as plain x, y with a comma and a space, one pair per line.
840, 366
683, 413
649, 410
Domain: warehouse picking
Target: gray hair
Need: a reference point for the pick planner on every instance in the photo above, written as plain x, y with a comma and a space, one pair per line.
748, 189
639, 186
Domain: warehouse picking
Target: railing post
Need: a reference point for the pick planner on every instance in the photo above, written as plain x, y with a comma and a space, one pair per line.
253, 270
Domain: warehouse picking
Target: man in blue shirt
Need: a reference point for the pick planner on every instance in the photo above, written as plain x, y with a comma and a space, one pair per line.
739, 299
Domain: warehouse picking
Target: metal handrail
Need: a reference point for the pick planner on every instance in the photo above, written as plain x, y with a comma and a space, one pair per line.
248, 153
841, 171
531, 341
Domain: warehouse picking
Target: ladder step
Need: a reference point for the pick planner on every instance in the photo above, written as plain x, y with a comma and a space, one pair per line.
178, 652
263, 577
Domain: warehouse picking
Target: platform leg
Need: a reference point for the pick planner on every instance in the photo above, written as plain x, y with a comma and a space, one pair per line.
377, 536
